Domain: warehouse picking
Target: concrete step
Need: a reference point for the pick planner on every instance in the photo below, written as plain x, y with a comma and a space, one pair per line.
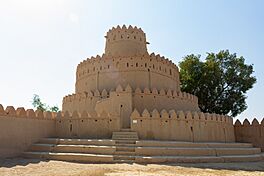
135, 139
124, 153
129, 150
91, 149
80, 157
155, 143
125, 145
125, 133
109, 142
124, 157
198, 159
124, 136
42, 147
126, 129
125, 142
237, 151
145, 151
135, 135
49, 140
198, 151
229, 145
105, 142
125, 148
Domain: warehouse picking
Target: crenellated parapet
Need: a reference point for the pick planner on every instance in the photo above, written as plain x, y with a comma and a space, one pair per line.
125, 41
182, 125
141, 98
246, 123
136, 92
250, 132
134, 33
150, 57
181, 115
86, 115
107, 72
20, 128
104, 63
20, 112
153, 80
87, 124
94, 94
166, 93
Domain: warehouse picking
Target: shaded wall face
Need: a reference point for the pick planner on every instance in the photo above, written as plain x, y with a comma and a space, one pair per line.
183, 126
152, 101
250, 133
120, 103
139, 99
108, 73
125, 48
136, 79
125, 41
93, 126
81, 103
17, 133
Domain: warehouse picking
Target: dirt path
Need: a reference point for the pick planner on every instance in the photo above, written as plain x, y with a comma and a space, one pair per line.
33, 167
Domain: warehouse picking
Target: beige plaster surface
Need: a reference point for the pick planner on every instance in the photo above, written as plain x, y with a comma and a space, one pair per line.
34, 167
19, 129
127, 88
153, 80
127, 78
252, 133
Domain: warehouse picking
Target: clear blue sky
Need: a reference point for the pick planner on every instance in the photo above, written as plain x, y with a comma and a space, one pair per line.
42, 41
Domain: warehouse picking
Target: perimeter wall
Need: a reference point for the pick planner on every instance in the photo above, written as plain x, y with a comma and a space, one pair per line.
19, 129
250, 133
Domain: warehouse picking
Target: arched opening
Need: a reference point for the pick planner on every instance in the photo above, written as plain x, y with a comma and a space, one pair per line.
192, 136
70, 127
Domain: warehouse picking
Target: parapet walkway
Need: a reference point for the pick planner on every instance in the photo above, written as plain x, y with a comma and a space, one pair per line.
126, 147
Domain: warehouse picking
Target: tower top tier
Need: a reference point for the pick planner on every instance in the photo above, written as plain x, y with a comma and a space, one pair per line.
125, 41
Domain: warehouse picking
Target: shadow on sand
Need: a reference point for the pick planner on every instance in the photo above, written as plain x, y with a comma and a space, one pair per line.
238, 166
12, 162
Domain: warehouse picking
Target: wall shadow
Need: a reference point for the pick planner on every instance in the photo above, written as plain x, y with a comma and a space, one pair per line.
19, 161
234, 166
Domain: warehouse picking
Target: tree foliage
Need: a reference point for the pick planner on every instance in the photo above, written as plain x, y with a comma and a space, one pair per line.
220, 82
39, 105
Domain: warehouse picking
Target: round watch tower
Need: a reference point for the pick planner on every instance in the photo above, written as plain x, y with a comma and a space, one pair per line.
126, 61
124, 41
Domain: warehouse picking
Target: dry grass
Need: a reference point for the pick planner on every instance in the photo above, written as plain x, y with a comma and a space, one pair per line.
92, 172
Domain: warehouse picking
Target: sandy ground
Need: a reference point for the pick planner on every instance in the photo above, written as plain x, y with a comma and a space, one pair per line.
34, 167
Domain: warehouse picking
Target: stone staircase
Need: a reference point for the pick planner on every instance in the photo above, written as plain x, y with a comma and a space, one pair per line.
126, 147
125, 141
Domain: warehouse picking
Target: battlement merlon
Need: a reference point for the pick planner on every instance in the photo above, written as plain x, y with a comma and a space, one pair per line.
125, 41
20, 112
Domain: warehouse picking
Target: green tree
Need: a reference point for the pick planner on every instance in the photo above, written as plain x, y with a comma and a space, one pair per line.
54, 109
220, 82
39, 105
